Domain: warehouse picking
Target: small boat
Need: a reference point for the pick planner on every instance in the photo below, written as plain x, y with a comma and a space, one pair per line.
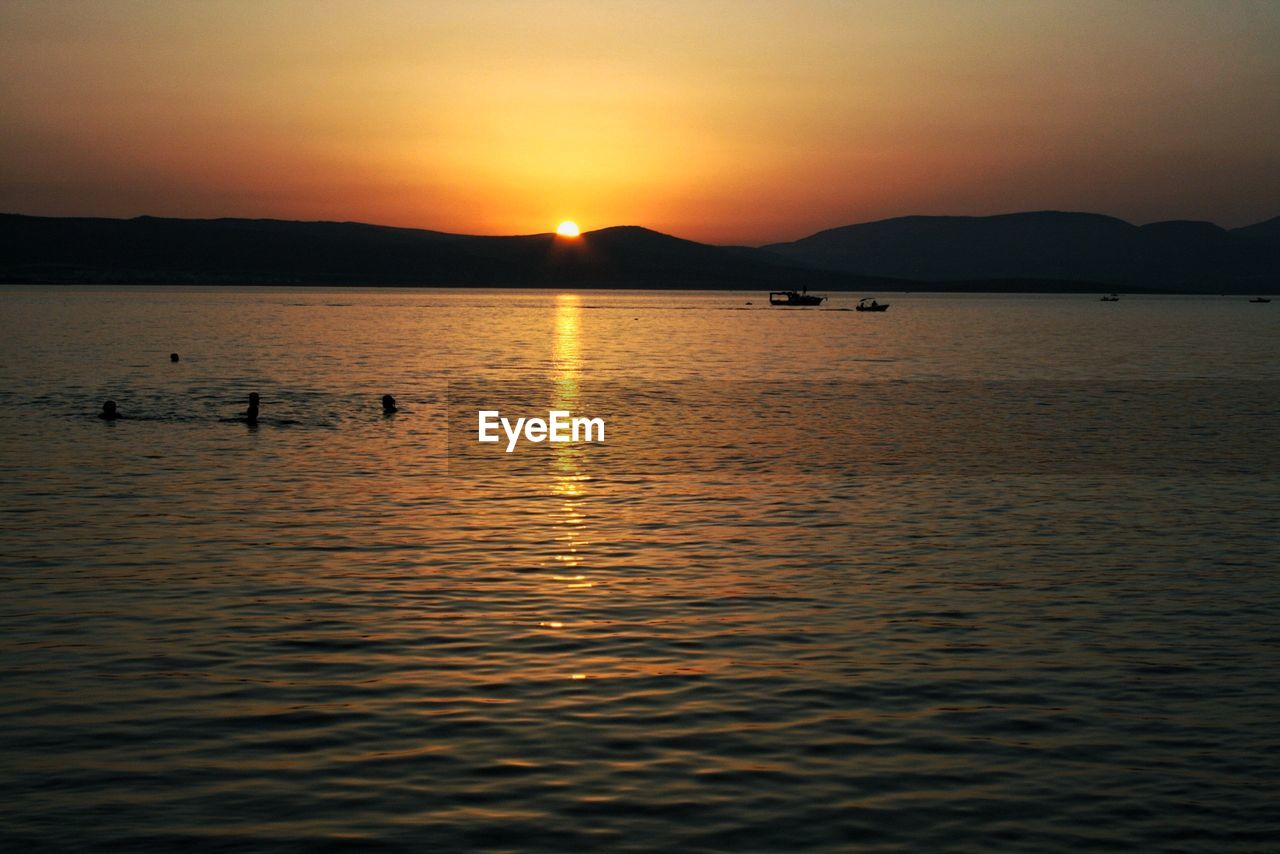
1259, 299
1112, 298
800, 297
869, 304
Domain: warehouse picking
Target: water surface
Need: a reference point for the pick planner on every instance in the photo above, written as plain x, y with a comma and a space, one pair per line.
977, 572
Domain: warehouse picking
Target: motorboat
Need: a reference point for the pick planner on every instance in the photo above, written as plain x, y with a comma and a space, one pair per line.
800, 297
869, 304
1111, 298
1259, 299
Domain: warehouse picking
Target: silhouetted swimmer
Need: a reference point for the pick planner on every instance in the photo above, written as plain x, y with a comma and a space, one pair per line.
388, 405
173, 357
251, 414
109, 412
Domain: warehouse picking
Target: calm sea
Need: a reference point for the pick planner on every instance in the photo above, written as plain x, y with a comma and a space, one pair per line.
980, 572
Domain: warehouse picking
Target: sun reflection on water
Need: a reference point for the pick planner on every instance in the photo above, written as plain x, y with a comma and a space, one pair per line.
567, 477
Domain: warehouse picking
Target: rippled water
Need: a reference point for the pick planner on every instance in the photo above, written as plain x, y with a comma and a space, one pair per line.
979, 572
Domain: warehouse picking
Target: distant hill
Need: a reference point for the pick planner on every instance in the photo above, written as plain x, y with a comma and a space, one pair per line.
1260, 235
1033, 252
175, 251
1051, 245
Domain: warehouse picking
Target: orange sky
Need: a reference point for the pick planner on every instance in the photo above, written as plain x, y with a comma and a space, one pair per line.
732, 121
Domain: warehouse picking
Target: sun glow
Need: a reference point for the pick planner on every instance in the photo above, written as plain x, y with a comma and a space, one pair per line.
568, 228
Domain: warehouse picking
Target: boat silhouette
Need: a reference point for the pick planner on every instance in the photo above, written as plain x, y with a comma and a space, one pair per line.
800, 297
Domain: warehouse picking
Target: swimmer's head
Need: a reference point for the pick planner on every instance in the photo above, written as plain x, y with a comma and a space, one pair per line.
173, 357
109, 408
388, 403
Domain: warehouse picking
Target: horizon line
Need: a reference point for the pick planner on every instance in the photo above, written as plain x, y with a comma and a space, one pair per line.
552, 233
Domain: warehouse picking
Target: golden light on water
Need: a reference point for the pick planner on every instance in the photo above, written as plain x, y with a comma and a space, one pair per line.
565, 347
566, 364
567, 476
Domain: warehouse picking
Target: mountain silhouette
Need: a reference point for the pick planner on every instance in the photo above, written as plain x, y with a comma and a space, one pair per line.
177, 251
1261, 237
1050, 245
1039, 252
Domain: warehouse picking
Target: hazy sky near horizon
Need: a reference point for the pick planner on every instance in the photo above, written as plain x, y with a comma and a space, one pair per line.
726, 121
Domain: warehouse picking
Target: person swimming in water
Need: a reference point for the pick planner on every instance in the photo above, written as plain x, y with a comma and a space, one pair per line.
173, 357
388, 405
109, 412
251, 414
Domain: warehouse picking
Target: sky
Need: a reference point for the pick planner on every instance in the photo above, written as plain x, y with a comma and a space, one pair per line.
726, 122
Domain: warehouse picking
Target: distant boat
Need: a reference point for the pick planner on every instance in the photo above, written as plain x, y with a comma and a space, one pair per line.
800, 297
1259, 299
1112, 298
869, 304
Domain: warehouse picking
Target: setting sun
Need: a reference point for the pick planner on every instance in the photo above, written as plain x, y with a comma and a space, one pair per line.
568, 228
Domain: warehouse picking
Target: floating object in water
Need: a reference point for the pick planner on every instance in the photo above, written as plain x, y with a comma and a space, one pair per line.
1112, 298
173, 357
109, 411
869, 304
800, 297
388, 405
